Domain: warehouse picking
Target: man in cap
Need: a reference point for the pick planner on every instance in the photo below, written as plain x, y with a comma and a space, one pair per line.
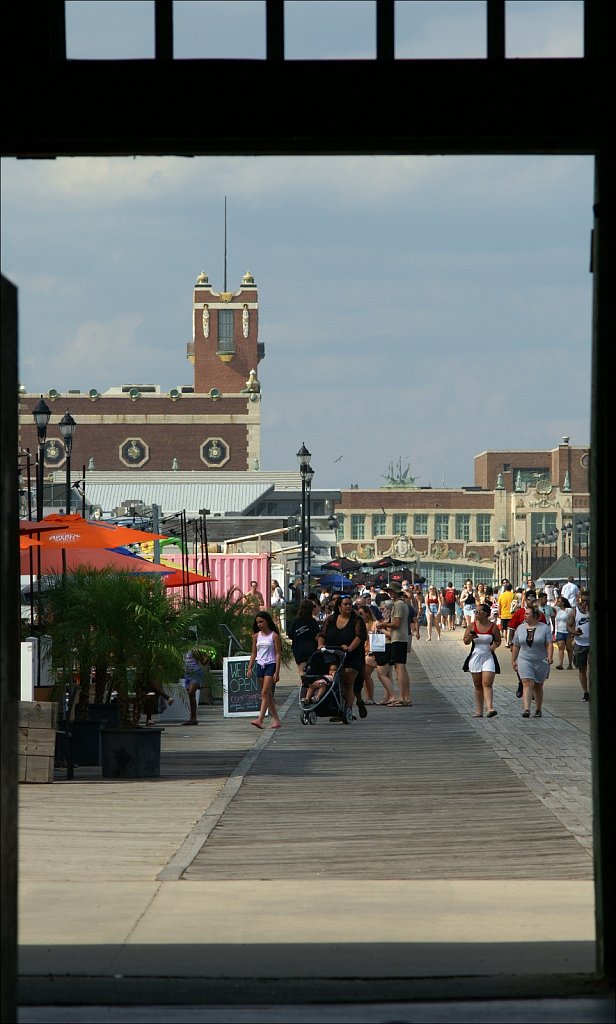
397, 630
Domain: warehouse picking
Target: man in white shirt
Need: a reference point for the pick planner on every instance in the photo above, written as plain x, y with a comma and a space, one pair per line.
571, 591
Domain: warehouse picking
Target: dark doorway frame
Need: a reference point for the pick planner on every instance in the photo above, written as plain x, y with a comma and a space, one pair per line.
472, 107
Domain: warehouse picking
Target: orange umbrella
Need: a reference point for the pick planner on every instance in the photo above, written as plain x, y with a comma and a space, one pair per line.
27, 542
73, 531
177, 578
61, 560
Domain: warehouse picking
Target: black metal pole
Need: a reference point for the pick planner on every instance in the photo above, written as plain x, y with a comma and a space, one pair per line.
308, 499
68, 479
184, 536
202, 549
207, 553
40, 482
303, 520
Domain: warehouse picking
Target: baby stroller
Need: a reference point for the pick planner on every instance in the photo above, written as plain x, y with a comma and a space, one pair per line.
332, 702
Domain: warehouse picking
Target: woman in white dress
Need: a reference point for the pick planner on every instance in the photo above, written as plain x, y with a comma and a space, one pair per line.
482, 662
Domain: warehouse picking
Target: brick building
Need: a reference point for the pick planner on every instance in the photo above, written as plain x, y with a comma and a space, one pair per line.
524, 510
212, 424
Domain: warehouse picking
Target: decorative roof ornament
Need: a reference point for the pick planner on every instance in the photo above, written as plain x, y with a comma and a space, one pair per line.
567, 482
400, 479
499, 483
519, 486
253, 385
248, 278
203, 278
175, 464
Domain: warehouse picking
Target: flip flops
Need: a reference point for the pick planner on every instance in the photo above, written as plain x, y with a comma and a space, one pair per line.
257, 725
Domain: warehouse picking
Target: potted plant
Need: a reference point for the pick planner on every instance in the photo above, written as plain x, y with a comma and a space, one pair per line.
121, 624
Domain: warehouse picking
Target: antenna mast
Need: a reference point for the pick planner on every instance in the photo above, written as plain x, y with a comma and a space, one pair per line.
225, 268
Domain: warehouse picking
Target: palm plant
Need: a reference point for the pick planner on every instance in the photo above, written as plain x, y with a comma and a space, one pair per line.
206, 618
103, 619
229, 611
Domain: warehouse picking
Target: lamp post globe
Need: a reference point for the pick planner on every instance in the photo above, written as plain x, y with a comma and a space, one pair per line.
67, 429
303, 456
41, 415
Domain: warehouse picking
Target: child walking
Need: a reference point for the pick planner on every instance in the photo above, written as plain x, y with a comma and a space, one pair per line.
266, 655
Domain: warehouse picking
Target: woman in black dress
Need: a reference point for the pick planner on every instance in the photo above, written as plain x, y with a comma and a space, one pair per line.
345, 629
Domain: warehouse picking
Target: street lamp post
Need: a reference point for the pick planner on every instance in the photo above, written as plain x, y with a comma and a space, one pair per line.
583, 527
303, 457
41, 415
309, 477
553, 539
67, 429
332, 522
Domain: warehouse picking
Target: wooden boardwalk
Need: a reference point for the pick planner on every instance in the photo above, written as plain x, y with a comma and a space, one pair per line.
409, 793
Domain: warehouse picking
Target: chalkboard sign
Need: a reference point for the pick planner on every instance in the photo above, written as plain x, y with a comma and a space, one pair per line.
241, 693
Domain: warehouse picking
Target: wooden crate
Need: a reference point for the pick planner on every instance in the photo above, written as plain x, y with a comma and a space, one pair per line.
36, 744
31, 768
38, 714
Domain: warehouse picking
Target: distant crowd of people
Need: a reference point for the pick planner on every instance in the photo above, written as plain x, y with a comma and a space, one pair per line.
375, 628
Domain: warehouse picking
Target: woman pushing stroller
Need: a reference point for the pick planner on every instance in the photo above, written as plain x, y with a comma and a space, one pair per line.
345, 629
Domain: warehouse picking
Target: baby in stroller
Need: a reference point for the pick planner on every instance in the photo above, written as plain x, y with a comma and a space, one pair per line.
317, 689
321, 691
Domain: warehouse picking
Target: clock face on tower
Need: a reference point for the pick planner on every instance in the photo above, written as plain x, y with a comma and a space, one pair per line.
55, 452
134, 452
215, 452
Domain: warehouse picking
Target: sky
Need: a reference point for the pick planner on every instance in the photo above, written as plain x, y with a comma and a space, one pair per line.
415, 310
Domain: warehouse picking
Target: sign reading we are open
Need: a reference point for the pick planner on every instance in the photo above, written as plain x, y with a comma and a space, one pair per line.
241, 692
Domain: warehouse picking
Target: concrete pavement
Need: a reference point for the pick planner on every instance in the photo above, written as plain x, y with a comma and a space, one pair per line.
188, 891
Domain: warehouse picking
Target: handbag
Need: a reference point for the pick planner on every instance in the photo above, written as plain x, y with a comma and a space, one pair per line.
377, 642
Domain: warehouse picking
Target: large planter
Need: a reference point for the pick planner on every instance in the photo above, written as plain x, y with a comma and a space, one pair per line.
108, 714
130, 753
85, 740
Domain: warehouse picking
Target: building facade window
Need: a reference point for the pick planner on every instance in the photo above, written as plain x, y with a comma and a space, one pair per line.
226, 343
400, 521
420, 525
542, 523
484, 527
379, 522
441, 526
358, 527
463, 527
